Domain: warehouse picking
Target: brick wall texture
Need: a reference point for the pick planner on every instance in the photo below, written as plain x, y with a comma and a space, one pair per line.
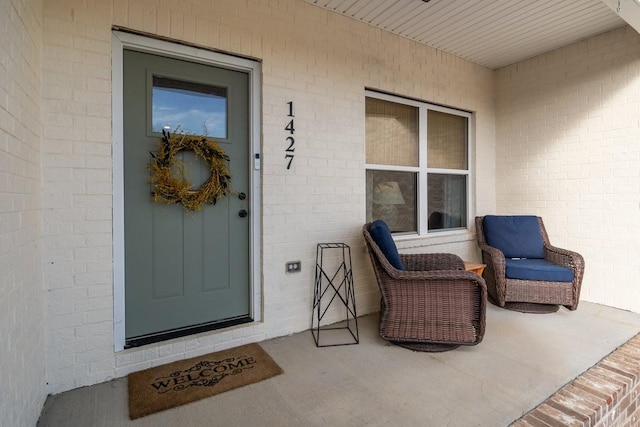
568, 149
22, 309
606, 395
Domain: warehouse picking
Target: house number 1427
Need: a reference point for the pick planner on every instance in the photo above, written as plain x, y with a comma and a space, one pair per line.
290, 139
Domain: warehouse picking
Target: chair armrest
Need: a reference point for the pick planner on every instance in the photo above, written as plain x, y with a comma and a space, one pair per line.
431, 261
494, 259
424, 278
408, 287
565, 258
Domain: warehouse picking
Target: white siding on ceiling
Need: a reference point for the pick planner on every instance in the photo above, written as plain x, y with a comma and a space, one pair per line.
493, 33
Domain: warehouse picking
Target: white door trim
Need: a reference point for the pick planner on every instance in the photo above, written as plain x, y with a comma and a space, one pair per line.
120, 41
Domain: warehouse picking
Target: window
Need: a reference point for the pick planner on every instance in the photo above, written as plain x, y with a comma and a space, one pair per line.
193, 107
417, 157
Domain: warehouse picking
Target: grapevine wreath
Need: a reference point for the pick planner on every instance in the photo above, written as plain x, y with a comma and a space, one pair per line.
170, 188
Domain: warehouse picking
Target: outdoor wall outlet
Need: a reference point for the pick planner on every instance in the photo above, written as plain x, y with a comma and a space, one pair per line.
293, 266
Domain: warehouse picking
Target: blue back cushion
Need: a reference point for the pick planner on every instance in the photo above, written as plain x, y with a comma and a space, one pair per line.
382, 236
517, 236
537, 269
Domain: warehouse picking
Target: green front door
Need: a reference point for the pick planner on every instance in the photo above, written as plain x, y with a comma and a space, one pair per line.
185, 271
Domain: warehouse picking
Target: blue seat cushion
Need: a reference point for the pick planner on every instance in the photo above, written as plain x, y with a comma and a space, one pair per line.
537, 269
517, 236
382, 236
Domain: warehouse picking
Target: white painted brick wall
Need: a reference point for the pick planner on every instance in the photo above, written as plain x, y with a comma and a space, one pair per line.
320, 61
77, 189
568, 143
22, 314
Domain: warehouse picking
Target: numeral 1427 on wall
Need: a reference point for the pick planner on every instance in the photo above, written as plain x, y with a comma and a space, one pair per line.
290, 139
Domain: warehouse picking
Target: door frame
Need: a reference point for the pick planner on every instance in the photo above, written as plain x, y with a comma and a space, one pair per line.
121, 41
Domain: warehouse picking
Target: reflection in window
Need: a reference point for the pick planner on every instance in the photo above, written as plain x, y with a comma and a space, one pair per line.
193, 107
447, 201
391, 197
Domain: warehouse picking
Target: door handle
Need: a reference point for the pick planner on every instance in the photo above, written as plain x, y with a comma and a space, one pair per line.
243, 213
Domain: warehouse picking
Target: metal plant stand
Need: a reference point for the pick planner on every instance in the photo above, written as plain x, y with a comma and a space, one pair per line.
334, 287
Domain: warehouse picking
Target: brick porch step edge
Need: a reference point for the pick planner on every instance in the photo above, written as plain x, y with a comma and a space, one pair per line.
606, 395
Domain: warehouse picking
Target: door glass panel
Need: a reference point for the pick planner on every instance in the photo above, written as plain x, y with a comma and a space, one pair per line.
193, 107
391, 197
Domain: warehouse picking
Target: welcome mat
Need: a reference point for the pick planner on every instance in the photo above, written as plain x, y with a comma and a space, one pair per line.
184, 381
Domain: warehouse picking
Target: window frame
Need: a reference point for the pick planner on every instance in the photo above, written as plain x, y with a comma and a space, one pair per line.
422, 170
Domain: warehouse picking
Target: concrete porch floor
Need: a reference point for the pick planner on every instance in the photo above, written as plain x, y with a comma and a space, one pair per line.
523, 359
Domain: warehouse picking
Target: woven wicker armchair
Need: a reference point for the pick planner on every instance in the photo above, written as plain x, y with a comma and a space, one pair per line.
431, 305
530, 296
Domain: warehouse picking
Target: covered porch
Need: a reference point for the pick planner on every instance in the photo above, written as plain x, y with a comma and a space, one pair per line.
523, 360
554, 132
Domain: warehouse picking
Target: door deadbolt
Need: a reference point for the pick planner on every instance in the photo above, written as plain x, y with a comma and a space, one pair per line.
242, 196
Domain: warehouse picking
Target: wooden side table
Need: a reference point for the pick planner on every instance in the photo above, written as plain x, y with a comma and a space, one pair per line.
475, 267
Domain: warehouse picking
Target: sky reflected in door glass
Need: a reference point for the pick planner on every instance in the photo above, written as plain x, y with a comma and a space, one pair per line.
193, 107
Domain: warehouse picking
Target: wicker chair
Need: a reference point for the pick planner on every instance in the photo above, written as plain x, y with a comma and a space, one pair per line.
530, 296
433, 304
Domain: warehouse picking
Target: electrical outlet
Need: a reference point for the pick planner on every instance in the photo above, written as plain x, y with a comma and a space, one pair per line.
293, 266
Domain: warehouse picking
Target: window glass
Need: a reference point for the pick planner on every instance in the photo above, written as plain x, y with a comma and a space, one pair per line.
447, 201
417, 164
391, 196
446, 140
193, 107
391, 133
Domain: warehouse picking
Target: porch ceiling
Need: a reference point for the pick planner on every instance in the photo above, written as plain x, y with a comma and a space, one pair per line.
492, 33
